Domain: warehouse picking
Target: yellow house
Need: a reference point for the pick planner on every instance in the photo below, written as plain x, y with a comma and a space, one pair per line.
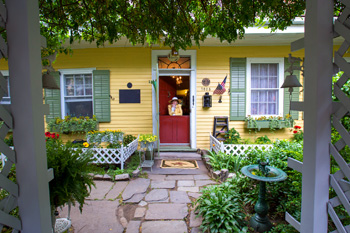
129, 87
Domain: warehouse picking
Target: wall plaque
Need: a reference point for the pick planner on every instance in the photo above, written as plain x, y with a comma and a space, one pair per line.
130, 96
205, 82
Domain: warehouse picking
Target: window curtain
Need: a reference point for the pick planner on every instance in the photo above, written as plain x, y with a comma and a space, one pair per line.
264, 89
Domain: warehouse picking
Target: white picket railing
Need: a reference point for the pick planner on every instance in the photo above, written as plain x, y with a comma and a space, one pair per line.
235, 149
113, 156
104, 155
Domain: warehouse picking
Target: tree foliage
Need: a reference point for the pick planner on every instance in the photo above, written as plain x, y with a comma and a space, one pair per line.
178, 23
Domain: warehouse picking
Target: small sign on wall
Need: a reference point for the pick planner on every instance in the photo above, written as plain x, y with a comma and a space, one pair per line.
130, 96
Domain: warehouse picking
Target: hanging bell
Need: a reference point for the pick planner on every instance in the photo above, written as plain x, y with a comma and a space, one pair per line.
291, 81
49, 81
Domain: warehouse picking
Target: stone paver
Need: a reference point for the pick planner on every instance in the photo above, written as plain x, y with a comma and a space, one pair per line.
201, 177
97, 216
196, 230
166, 211
156, 177
136, 198
204, 182
164, 227
102, 188
135, 187
187, 183
133, 227
179, 177
139, 212
194, 220
188, 189
116, 190
143, 203
179, 197
194, 195
160, 184
157, 195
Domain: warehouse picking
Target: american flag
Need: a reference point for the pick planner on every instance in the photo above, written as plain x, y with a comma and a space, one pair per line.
220, 89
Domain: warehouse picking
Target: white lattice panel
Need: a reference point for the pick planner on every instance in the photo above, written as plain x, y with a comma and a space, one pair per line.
339, 180
242, 149
113, 156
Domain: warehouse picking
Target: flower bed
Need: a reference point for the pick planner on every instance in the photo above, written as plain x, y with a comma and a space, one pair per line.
113, 156
73, 124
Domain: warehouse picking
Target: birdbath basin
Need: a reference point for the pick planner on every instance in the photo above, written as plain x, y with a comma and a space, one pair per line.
263, 173
274, 174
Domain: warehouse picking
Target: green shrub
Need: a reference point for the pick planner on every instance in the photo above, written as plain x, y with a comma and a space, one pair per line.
221, 208
221, 160
263, 140
232, 137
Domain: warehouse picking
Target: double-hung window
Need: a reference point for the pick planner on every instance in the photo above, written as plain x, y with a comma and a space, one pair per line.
264, 78
77, 94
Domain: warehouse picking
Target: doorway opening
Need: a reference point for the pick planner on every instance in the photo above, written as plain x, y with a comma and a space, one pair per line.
174, 130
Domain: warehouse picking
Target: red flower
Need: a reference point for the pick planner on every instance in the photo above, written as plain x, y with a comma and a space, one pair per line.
47, 134
57, 135
297, 127
295, 131
53, 135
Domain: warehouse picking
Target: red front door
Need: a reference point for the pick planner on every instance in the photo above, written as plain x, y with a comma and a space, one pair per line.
172, 129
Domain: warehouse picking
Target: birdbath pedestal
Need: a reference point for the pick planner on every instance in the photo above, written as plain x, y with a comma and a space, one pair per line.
263, 173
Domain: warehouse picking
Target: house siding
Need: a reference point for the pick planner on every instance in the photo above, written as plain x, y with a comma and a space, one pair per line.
133, 64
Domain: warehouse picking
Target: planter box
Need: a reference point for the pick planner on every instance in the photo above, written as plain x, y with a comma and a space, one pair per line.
266, 125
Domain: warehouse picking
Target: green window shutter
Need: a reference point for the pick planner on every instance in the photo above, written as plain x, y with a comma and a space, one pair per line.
53, 99
102, 106
295, 93
238, 88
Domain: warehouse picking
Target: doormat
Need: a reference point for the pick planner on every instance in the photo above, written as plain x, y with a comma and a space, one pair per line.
180, 164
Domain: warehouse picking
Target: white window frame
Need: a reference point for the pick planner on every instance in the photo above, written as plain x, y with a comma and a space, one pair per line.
265, 60
62, 89
5, 100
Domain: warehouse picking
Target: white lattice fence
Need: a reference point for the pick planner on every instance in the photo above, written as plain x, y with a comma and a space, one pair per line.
242, 149
113, 156
235, 149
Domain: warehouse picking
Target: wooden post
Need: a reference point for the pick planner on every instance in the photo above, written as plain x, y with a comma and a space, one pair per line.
317, 124
23, 34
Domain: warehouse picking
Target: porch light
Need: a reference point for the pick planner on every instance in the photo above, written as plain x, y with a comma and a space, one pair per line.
49, 82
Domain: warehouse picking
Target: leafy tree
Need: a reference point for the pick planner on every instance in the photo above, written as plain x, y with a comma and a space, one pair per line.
175, 23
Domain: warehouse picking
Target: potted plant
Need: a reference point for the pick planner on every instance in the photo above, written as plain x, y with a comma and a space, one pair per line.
72, 173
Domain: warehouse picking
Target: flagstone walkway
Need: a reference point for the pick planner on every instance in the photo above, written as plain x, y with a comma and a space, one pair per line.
157, 204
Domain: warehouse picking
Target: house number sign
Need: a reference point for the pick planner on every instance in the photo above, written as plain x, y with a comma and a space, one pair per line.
205, 83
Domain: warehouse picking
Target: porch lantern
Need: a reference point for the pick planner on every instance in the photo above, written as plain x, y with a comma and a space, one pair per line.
207, 100
49, 82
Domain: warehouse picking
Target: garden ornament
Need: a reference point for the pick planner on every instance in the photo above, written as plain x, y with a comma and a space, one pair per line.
260, 221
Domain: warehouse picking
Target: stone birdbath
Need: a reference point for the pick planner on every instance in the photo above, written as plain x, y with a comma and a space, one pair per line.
263, 173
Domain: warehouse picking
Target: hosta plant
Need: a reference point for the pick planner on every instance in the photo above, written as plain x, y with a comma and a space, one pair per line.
221, 208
